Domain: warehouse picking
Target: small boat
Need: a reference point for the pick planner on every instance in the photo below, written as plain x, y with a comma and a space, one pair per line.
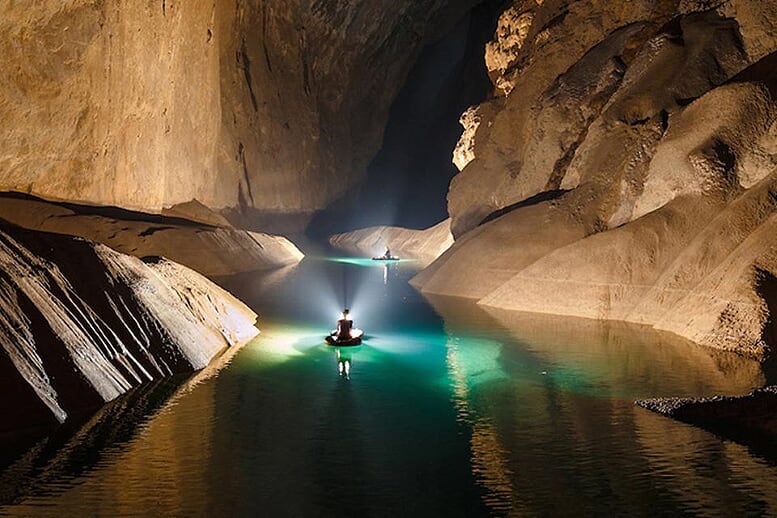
356, 338
384, 258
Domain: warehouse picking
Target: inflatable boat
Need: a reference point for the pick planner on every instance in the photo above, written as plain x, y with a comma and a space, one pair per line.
355, 339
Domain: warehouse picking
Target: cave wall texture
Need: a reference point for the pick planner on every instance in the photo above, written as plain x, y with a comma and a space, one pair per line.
70, 342
274, 105
624, 168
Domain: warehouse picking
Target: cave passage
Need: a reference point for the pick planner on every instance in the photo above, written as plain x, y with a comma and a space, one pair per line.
407, 181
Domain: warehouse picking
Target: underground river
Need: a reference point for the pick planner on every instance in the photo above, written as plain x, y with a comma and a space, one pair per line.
447, 410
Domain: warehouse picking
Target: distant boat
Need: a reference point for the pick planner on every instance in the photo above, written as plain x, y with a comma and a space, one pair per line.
384, 258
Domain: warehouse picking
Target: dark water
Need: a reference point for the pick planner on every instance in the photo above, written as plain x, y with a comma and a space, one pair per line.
449, 410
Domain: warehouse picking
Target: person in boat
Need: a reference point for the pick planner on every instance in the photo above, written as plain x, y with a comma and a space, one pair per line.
387, 255
344, 326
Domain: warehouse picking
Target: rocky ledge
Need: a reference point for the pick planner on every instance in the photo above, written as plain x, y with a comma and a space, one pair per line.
749, 419
189, 234
81, 324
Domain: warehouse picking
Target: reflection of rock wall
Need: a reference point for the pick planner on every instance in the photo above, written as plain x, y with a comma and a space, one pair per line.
625, 169
560, 419
269, 104
425, 245
72, 341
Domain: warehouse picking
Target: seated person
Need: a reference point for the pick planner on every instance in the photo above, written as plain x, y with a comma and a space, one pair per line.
387, 255
344, 326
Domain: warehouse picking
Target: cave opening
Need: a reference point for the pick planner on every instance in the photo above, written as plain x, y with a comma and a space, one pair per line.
407, 181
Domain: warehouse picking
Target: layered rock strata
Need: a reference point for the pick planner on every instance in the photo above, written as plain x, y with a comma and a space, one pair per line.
273, 105
213, 248
424, 245
81, 324
626, 171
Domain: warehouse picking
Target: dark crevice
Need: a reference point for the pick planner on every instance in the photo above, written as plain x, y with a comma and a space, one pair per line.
763, 71
305, 67
555, 21
766, 288
664, 120
245, 63
561, 165
265, 19
537, 198
153, 230
242, 156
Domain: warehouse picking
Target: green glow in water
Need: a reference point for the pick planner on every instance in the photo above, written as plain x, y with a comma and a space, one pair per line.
365, 262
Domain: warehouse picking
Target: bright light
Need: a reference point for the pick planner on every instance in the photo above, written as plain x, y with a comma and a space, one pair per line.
279, 343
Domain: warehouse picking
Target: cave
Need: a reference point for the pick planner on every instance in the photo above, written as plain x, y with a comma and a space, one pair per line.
428, 257
406, 181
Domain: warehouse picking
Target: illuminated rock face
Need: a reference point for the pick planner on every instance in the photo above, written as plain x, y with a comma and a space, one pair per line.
273, 105
423, 245
213, 249
72, 341
625, 169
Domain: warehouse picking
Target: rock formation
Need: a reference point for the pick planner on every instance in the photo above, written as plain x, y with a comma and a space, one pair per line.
624, 169
272, 105
749, 419
424, 245
81, 324
214, 248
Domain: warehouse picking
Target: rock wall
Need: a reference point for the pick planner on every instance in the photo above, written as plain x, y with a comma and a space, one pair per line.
212, 249
70, 341
625, 169
271, 105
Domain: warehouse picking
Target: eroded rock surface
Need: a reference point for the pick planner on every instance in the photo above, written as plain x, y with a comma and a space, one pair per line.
625, 169
214, 248
274, 105
81, 324
425, 245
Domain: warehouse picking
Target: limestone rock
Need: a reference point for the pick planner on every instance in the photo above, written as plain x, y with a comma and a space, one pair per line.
634, 182
464, 152
193, 210
81, 324
576, 92
424, 245
210, 250
270, 104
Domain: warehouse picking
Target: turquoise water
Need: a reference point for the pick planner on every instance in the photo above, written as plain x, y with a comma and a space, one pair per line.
446, 410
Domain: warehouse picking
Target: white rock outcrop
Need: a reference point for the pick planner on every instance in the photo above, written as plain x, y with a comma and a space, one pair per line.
81, 324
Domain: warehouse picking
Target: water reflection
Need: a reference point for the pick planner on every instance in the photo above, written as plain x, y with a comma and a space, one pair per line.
452, 410
344, 356
549, 402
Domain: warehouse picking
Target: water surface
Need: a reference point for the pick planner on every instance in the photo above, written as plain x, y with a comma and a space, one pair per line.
447, 409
